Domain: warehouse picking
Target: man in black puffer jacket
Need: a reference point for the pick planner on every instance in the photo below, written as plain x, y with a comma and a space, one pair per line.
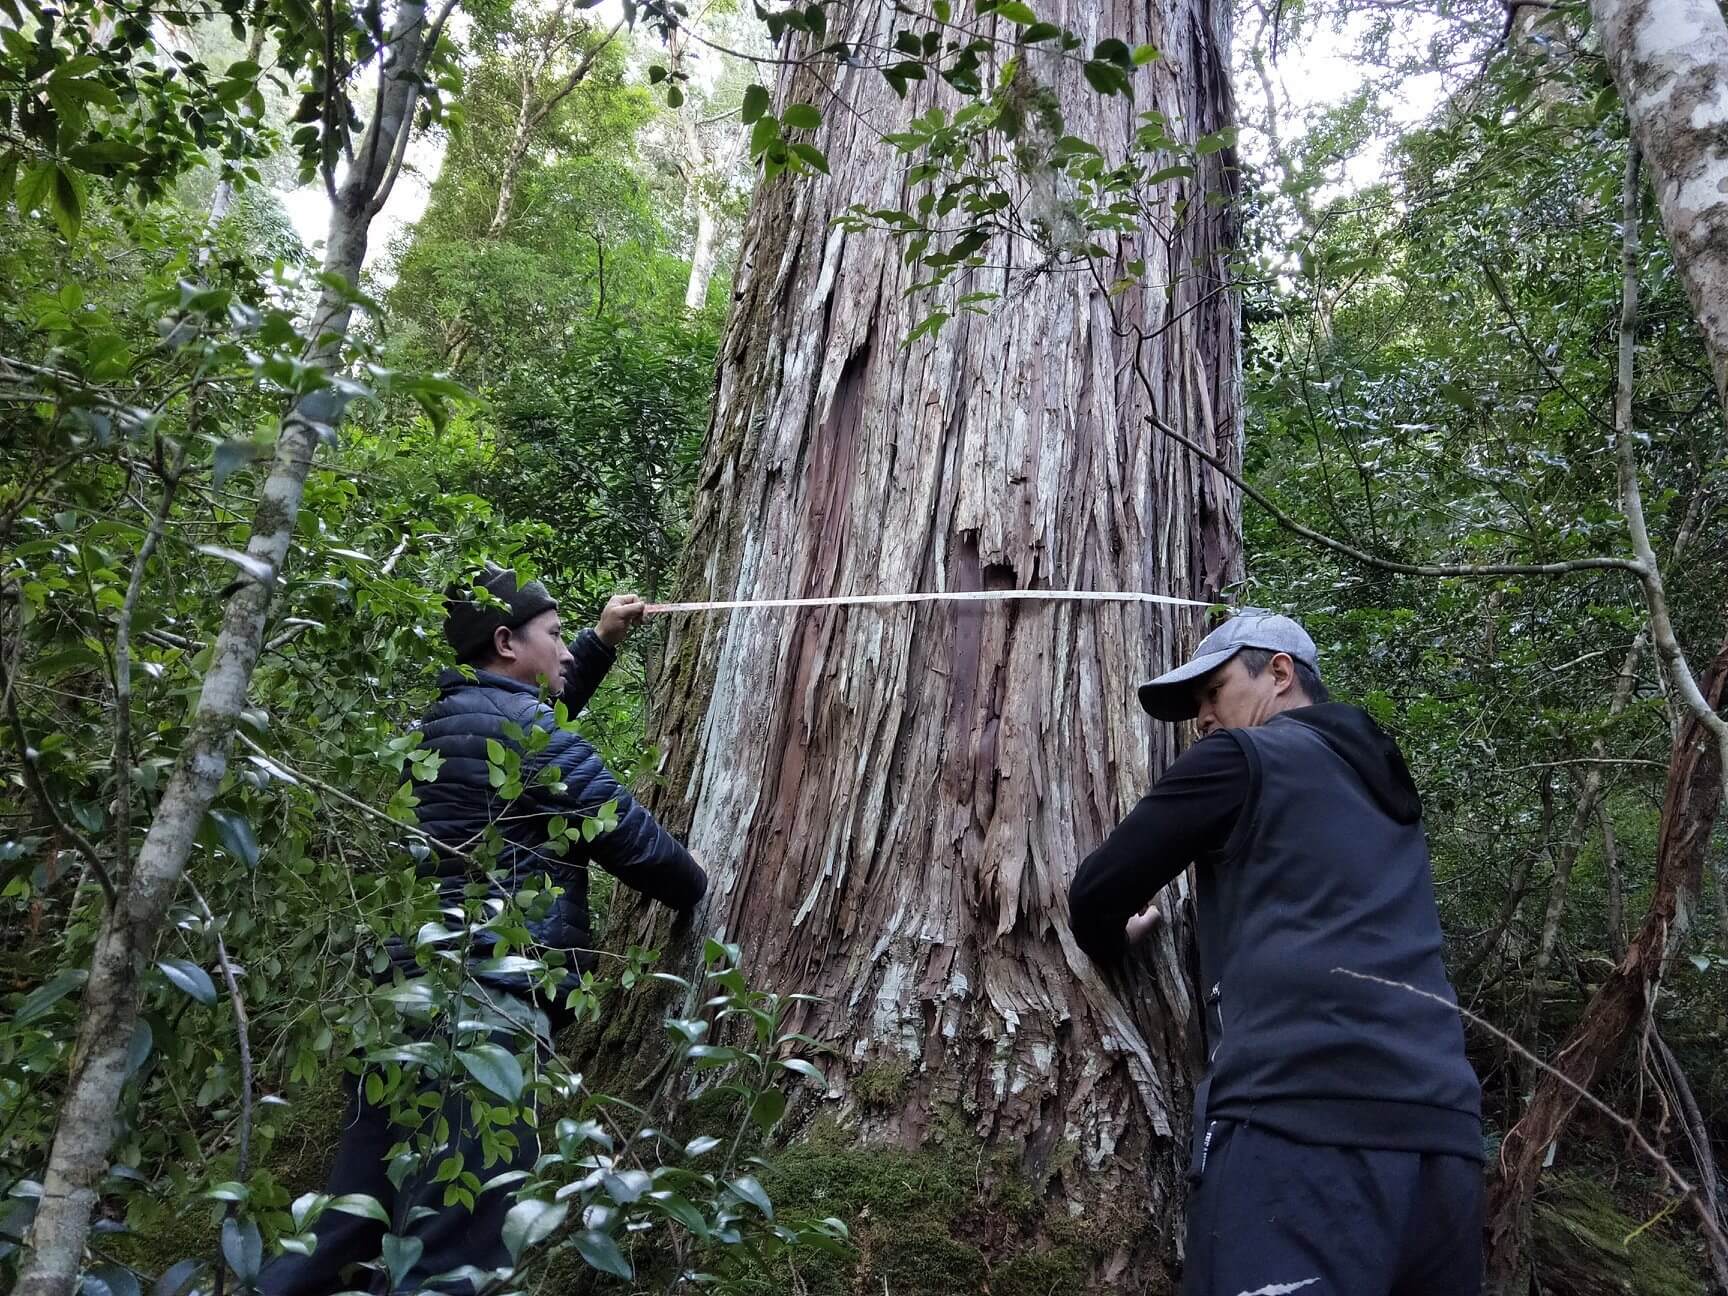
1337, 1133
507, 655
512, 655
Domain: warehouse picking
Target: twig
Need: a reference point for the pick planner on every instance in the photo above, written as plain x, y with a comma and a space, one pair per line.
355, 802
1712, 1231
33, 780
1631, 497
1535, 353
1387, 564
243, 1163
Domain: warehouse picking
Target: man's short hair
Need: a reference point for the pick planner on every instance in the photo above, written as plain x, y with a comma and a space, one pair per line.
1256, 660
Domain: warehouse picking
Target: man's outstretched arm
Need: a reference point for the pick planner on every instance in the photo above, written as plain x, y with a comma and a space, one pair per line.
594, 651
1189, 811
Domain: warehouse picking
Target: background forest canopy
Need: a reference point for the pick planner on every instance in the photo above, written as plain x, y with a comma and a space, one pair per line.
241, 466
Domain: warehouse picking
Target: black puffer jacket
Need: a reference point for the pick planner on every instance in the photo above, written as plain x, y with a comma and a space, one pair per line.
457, 807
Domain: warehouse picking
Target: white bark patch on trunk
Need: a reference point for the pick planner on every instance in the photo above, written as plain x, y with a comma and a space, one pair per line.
1670, 61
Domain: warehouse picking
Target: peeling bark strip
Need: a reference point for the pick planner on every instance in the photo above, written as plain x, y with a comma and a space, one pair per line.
1670, 61
85, 1131
890, 808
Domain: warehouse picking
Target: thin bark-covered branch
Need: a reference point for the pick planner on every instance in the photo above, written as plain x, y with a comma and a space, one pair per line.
1689, 813
1388, 564
1687, 1190
97, 1076
40, 794
1589, 796
123, 674
243, 1037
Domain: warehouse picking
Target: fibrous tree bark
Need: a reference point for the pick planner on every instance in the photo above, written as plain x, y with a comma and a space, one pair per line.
147, 884
891, 802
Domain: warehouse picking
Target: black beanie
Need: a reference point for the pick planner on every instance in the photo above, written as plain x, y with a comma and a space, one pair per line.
468, 625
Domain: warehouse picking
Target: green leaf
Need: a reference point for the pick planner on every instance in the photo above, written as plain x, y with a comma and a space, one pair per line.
49, 993
674, 95
1039, 32
530, 1222
1114, 51
626, 1186
400, 1255
602, 1253
811, 156
494, 1066
745, 1188
230, 1192
67, 201
798, 1066
769, 1107
1105, 77
9, 161
755, 103
701, 1145
243, 1249
33, 186
178, 1278
677, 1208
763, 136
110, 1280
191, 978
801, 116
1144, 54
236, 836
930, 325
1016, 12
360, 1204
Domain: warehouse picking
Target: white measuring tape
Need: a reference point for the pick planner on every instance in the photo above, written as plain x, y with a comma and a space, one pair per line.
954, 596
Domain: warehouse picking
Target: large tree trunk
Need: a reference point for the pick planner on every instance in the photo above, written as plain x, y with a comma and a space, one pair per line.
1615, 1011
890, 803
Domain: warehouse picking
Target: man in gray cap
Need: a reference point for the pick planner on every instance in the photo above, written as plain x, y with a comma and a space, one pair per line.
1337, 1132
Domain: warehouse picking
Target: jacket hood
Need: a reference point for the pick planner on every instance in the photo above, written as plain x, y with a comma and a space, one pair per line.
1370, 751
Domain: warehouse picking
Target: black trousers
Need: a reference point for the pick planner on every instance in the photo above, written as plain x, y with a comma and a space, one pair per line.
451, 1236
1271, 1216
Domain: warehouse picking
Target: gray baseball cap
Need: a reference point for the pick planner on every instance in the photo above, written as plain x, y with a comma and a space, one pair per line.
1171, 695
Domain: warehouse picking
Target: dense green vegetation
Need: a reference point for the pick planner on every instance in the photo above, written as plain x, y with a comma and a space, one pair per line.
1430, 367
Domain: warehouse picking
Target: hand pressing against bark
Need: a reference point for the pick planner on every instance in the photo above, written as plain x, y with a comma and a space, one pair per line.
622, 614
1143, 922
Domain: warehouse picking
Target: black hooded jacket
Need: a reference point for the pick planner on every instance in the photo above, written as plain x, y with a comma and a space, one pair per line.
1313, 893
475, 707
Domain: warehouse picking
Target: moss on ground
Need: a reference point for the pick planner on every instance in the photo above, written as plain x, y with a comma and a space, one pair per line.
1580, 1246
950, 1218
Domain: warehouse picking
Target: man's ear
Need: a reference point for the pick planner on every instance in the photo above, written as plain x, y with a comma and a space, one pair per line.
502, 650
1283, 672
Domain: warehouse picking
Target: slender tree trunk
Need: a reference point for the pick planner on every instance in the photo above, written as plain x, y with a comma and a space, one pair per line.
222, 198
1589, 796
127, 942
1616, 888
703, 254
890, 803
1689, 814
